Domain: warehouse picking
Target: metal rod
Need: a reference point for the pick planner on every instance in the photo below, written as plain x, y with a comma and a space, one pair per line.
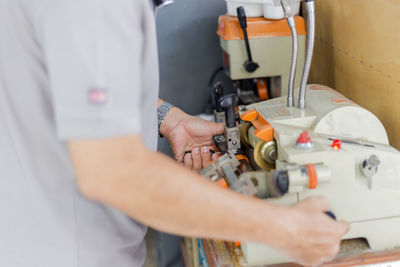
292, 77
310, 8
246, 40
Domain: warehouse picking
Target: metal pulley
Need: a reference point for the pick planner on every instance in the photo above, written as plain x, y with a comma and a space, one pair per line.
244, 133
265, 154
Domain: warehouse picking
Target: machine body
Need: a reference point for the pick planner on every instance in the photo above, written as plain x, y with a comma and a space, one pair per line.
334, 148
356, 169
326, 145
271, 45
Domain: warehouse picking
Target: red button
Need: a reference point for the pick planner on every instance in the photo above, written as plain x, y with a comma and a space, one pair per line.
304, 138
337, 144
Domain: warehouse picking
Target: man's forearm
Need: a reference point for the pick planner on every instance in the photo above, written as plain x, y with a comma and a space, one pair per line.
156, 191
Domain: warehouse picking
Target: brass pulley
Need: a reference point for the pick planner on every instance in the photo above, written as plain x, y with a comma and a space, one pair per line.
244, 133
265, 154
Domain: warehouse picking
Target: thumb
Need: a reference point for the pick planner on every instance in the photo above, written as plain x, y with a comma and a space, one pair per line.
345, 226
179, 157
217, 128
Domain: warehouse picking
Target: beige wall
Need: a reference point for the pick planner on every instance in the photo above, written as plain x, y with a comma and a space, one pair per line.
358, 53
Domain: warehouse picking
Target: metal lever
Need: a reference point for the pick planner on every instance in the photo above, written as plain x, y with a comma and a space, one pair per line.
249, 65
228, 104
219, 114
232, 133
218, 94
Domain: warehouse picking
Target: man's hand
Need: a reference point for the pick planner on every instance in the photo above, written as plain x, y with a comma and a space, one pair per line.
191, 138
312, 237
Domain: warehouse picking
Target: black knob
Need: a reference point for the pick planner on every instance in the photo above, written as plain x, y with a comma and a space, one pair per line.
331, 214
218, 94
228, 104
250, 66
281, 182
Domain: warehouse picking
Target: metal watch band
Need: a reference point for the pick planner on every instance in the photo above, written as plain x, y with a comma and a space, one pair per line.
162, 113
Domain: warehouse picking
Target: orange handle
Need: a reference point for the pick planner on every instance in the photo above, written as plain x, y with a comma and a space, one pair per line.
312, 174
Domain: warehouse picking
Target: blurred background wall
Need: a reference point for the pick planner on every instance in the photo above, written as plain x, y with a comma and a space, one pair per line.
358, 53
189, 53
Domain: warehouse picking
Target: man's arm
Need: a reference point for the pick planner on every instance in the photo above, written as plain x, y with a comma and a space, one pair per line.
153, 189
156, 191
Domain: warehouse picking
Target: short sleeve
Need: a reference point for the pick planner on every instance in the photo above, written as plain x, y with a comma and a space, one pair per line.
93, 57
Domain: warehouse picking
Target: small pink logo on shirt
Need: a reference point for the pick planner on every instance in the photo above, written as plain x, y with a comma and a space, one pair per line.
97, 96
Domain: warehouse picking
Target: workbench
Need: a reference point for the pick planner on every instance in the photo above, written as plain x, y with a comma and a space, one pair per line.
214, 253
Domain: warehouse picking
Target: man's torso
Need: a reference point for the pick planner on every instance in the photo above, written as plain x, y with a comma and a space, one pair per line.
45, 221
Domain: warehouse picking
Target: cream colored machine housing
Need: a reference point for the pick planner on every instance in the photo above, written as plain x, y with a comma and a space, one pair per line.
370, 202
272, 52
270, 47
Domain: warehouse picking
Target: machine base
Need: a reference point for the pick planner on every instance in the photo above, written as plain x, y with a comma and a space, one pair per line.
381, 234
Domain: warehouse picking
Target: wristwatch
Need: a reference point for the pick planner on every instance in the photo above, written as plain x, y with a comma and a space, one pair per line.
162, 112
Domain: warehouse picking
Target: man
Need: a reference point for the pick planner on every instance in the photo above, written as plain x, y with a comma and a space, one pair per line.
79, 175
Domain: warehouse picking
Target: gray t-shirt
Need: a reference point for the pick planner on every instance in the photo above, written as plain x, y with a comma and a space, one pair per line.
70, 69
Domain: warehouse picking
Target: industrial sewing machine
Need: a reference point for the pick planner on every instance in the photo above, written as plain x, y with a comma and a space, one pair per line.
326, 145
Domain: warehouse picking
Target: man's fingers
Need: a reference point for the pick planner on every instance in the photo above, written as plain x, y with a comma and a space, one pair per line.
317, 202
198, 158
345, 225
187, 160
215, 156
205, 156
197, 165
